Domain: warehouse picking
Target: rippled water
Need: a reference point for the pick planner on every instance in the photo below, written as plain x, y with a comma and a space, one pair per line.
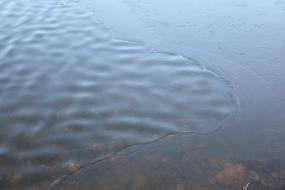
70, 92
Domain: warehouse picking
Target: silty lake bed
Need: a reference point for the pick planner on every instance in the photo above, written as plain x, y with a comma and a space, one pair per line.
142, 95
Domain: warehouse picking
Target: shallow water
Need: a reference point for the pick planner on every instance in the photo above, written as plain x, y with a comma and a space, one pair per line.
72, 91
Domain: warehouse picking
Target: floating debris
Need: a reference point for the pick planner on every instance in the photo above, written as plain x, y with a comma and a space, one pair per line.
73, 167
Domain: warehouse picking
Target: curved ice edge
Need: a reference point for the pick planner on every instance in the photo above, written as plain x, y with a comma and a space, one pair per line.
216, 72
61, 181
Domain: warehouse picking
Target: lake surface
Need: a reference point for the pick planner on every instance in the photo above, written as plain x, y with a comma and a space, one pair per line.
142, 94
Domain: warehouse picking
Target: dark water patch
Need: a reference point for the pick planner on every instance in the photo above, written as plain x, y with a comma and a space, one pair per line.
176, 163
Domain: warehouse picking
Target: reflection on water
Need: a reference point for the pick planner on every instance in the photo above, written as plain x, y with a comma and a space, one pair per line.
70, 93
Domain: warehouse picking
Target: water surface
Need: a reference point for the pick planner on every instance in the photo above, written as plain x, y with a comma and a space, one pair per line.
72, 91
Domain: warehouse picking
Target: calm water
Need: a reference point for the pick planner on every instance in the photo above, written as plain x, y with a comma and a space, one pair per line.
81, 108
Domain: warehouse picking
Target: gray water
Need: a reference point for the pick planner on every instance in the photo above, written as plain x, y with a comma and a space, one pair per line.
115, 95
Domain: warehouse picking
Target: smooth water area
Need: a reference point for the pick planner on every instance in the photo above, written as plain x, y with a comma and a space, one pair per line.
136, 95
